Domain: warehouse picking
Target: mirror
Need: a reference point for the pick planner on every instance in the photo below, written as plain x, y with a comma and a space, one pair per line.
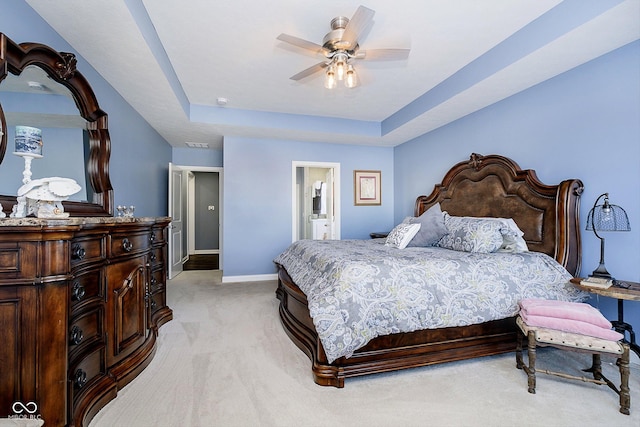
41, 87
33, 99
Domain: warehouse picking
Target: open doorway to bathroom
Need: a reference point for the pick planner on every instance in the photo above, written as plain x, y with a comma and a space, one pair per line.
316, 200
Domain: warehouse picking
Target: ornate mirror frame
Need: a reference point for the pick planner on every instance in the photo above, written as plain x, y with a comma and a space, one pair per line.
61, 67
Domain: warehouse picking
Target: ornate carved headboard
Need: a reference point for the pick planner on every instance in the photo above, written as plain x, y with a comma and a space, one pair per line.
495, 186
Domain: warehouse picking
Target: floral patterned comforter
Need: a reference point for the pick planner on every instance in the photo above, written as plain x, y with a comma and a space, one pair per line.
360, 289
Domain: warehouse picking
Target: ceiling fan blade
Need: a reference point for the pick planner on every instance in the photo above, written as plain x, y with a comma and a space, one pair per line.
383, 54
305, 44
313, 69
360, 21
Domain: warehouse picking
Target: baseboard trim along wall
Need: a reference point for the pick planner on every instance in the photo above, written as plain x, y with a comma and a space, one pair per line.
206, 251
252, 278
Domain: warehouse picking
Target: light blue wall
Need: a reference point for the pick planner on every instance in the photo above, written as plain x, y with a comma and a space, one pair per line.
196, 157
257, 197
139, 155
582, 124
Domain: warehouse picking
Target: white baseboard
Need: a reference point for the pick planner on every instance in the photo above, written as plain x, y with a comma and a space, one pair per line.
253, 278
206, 251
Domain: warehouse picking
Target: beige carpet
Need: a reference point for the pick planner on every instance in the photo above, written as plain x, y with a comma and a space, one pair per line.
225, 361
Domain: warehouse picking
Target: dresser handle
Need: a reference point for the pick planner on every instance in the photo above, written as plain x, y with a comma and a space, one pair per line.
80, 378
77, 292
154, 282
152, 238
76, 335
127, 245
153, 257
153, 304
78, 252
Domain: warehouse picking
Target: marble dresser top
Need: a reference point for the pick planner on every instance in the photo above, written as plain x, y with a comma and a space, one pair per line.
71, 221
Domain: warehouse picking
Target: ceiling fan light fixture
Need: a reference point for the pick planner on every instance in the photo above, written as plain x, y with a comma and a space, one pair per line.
340, 61
330, 81
351, 79
35, 85
340, 47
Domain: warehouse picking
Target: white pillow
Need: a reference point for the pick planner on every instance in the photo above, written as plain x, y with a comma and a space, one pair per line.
401, 235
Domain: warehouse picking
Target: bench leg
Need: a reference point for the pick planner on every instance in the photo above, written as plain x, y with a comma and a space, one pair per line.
519, 362
625, 397
531, 354
531, 372
596, 367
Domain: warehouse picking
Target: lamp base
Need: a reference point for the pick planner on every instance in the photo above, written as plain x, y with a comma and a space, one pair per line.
602, 272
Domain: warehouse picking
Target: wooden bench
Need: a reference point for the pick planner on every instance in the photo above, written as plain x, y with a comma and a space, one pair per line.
538, 336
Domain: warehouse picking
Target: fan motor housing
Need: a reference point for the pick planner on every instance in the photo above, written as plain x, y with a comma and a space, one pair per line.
333, 40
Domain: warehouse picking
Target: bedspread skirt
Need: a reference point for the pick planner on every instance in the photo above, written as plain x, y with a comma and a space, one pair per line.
360, 289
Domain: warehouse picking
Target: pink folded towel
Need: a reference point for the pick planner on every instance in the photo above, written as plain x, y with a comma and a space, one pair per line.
564, 310
572, 326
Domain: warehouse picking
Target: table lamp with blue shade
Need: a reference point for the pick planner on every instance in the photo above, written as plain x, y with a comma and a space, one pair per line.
606, 217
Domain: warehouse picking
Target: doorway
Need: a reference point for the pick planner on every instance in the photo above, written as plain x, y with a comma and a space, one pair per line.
316, 200
203, 229
195, 205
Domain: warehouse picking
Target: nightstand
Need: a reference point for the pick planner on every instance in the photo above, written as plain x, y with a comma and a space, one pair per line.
621, 290
379, 234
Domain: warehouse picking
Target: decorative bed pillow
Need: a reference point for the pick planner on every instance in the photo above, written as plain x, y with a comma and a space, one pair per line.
512, 236
401, 235
469, 234
432, 227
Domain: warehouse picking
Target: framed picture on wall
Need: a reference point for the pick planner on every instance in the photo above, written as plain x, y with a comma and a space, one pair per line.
366, 188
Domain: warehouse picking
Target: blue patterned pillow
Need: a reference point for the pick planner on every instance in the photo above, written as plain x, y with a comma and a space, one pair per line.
470, 234
401, 235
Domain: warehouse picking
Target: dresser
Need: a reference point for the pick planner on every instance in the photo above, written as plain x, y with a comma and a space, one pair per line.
81, 301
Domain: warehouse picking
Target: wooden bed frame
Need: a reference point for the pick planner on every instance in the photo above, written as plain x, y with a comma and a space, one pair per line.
483, 186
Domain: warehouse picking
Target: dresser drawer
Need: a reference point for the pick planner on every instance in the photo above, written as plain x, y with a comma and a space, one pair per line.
158, 300
87, 288
157, 281
17, 260
87, 370
158, 236
157, 257
85, 250
85, 329
126, 244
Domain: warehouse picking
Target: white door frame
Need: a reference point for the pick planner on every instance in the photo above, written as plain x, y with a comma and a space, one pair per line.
336, 195
190, 208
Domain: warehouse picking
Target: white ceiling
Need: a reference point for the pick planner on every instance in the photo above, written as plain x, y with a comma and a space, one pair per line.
172, 60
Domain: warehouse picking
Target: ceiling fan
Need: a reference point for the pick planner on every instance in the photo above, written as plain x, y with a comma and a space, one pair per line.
341, 48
